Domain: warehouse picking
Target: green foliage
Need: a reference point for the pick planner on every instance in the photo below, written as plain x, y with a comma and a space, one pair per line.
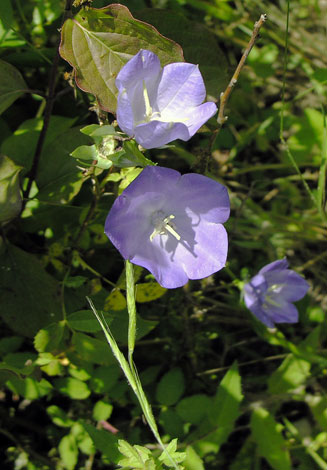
10, 198
271, 445
171, 387
12, 84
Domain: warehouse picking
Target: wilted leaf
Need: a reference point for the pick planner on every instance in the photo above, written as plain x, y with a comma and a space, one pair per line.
99, 42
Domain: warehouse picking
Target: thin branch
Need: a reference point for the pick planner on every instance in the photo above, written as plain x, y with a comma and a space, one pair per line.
225, 95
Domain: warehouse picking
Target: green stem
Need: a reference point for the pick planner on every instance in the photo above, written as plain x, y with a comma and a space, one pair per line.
131, 307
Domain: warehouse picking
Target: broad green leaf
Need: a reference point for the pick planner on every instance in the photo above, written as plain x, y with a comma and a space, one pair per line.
171, 423
12, 85
49, 338
104, 378
225, 409
21, 145
83, 440
192, 460
194, 408
58, 177
294, 370
115, 301
171, 387
102, 410
10, 197
92, 350
10, 344
84, 320
105, 442
149, 291
74, 388
68, 452
271, 444
90, 43
6, 14
29, 295
198, 43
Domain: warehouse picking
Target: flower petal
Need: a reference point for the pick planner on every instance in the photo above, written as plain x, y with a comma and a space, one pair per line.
196, 117
278, 265
181, 86
156, 134
210, 200
145, 64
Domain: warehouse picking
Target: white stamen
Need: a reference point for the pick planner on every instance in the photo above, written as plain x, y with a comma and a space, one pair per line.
164, 226
148, 109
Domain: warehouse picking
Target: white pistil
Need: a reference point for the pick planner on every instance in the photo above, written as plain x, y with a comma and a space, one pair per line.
164, 226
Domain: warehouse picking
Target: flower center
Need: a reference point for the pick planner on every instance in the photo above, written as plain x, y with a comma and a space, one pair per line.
273, 289
163, 225
149, 114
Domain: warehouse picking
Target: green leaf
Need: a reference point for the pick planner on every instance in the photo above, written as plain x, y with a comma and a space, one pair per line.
198, 43
74, 388
59, 417
104, 378
68, 451
223, 412
105, 442
12, 85
21, 145
225, 409
85, 152
49, 338
193, 461
171, 423
119, 326
102, 410
10, 344
84, 320
137, 457
149, 291
194, 408
6, 14
131, 156
271, 444
29, 388
171, 387
89, 43
29, 295
92, 350
10, 197
175, 456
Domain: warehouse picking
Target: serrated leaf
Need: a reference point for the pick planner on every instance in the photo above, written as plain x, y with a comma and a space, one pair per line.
271, 444
10, 197
136, 456
12, 85
90, 43
149, 291
171, 387
177, 457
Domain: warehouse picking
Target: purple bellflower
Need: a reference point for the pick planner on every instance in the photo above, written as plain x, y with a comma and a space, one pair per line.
269, 294
158, 105
171, 225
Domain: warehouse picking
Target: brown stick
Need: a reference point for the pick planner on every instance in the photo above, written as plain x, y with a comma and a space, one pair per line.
225, 95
